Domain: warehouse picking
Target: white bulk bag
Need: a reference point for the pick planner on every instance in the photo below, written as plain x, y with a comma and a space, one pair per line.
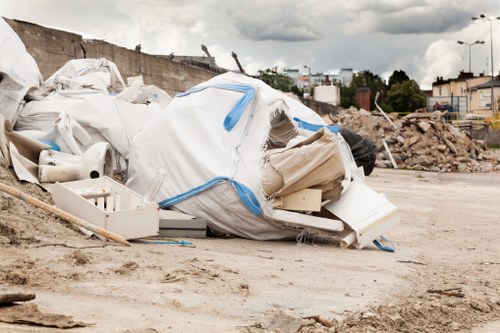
211, 141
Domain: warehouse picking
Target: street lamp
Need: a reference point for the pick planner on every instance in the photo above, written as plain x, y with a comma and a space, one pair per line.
490, 19
470, 45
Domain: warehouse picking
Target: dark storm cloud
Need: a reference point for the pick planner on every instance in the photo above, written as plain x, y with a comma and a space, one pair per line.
274, 20
278, 31
435, 21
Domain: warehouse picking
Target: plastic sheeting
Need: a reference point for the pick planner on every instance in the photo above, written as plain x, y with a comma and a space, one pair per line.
211, 141
92, 93
18, 72
104, 117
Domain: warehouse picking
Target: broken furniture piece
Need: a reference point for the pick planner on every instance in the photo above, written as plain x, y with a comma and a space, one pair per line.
123, 211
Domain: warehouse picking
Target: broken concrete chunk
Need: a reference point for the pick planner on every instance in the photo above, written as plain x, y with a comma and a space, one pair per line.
423, 160
424, 126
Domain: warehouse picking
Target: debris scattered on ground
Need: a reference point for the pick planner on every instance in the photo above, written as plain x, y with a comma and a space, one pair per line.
421, 141
30, 314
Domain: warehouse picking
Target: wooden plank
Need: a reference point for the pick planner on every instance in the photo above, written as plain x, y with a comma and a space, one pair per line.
305, 200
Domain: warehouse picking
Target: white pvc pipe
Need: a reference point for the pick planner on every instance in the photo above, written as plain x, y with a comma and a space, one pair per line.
348, 240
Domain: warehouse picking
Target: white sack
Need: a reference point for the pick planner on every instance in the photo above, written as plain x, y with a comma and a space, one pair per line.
18, 72
210, 140
100, 75
104, 117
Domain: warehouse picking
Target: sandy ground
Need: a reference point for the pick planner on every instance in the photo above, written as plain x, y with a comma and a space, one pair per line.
443, 277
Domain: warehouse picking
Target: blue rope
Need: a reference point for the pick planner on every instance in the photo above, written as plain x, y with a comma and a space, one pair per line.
387, 248
182, 242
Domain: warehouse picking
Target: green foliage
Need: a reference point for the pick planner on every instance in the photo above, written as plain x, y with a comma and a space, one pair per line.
359, 80
348, 96
297, 91
397, 77
405, 96
276, 80
386, 107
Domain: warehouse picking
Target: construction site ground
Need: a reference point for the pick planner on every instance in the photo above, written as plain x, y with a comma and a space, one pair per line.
443, 277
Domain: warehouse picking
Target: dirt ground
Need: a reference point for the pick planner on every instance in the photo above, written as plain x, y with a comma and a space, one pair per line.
443, 277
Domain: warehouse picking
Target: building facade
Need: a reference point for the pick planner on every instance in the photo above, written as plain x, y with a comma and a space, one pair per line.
465, 94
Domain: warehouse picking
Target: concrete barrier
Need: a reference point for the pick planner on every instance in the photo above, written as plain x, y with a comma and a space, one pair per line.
52, 48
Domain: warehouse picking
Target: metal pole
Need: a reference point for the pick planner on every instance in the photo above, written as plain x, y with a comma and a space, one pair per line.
470, 46
492, 71
483, 17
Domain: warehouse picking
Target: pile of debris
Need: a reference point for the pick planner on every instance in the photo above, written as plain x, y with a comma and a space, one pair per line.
419, 141
239, 155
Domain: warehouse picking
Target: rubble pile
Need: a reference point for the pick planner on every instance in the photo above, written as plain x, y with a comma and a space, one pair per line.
420, 141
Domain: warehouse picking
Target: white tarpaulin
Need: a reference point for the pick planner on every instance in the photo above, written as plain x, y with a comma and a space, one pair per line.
211, 141
18, 72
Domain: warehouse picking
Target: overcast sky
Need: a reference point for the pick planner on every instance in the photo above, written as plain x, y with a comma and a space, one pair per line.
417, 36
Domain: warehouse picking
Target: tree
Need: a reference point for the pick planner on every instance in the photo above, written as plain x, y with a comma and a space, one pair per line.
276, 80
297, 91
362, 79
405, 96
397, 76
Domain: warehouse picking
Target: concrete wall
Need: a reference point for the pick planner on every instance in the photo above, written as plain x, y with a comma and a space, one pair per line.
52, 48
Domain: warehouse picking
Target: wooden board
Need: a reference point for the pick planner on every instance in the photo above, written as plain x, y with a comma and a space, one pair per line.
305, 200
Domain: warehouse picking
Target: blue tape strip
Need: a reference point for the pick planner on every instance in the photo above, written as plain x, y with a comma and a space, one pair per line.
313, 127
236, 112
245, 194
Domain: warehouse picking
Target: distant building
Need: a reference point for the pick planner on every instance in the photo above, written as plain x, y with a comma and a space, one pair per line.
465, 94
326, 87
344, 76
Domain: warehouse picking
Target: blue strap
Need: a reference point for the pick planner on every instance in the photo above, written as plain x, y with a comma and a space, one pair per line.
236, 112
313, 127
181, 242
388, 245
245, 194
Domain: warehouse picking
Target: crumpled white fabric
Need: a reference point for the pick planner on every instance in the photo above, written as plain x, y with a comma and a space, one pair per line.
18, 72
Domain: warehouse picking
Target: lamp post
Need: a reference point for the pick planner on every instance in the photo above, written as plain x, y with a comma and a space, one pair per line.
490, 19
470, 45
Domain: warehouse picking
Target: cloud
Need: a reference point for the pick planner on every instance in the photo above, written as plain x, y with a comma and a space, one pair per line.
417, 36
440, 59
274, 21
423, 21
277, 31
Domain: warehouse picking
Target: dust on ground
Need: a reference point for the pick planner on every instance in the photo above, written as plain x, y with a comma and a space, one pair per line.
443, 277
